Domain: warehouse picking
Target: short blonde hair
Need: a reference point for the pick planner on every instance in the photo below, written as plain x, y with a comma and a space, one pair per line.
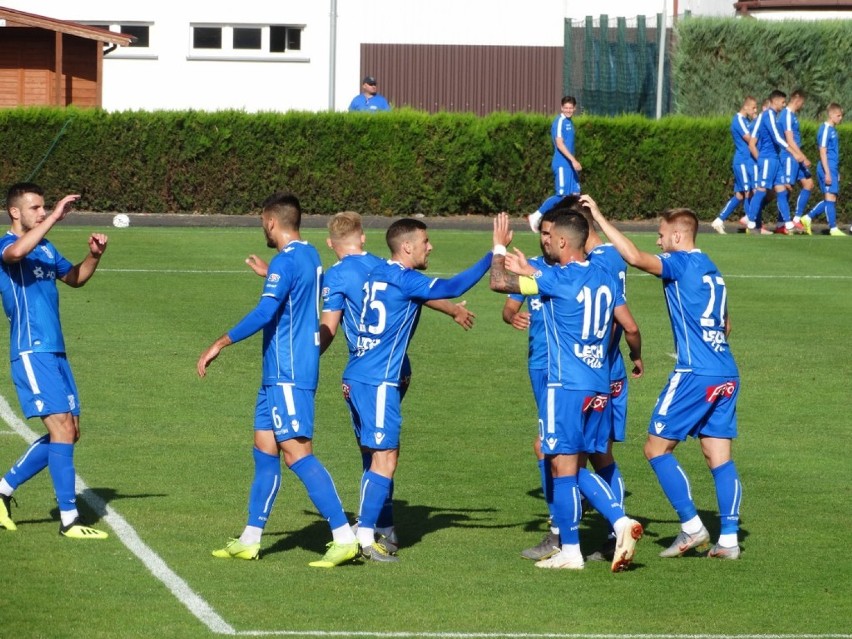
684, 220
344, 224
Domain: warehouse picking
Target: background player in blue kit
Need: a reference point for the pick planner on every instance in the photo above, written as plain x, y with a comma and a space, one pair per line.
31, 264
766, 144
288, 313
565, 165
828, 171
794, 163
700, 398
743, 164
579, 301
393, 296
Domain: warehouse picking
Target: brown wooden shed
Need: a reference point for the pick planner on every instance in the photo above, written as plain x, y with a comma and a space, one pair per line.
50, 62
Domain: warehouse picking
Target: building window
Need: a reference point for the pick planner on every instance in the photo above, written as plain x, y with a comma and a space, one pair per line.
247, 38
141, 48
246, 42
207, 38
140, 31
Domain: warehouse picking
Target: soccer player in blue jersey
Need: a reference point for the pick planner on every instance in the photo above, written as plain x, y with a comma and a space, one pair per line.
30, 266
579, 303
288, 314
700, 397
828, 171
794, 163
565, 165
343, 293
743, 164
766, 144
393, 295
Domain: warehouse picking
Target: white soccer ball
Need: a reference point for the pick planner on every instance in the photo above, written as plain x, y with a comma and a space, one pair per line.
121, 221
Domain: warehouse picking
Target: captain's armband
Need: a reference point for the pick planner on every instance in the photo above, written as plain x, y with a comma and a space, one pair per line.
528, 285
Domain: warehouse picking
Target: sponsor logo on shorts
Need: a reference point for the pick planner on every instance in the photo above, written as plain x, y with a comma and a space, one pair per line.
295, 425
722, 390
39, 405
346, 391
659, 427
551, 442
379, 437
596, 403
615, 388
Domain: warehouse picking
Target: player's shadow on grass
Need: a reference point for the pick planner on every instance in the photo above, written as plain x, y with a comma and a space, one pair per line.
413, 523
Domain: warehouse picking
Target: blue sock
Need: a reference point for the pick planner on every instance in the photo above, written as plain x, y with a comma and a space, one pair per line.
597, 491
374, 492
60, 460
264, 487
385, 518
612, 476
729, 494
818, 210
730, 207
567, 509
756, 205
30, 463
546, 484
802, 202
675, 485
782, 199
320, 489
830, 214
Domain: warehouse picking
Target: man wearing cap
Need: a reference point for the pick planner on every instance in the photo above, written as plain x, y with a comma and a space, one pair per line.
369, 99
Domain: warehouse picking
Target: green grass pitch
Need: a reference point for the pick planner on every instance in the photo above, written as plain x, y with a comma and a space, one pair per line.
171, 453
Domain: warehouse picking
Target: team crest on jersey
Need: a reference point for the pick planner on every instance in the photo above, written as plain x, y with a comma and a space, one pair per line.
325, 291
551, 442
274, 278
38, 273
722, 390
535, 304
659, 427
596, 403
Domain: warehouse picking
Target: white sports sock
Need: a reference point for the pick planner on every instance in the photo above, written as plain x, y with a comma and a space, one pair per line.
728, 540
251, 535
343, 535
5, 488
68, 516
692, 526
366, 536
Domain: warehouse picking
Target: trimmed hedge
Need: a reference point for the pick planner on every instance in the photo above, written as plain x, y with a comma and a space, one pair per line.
398, 163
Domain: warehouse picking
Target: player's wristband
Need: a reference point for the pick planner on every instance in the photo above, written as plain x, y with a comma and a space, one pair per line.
499, 249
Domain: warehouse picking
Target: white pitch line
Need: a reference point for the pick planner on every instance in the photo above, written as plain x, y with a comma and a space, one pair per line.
199, 608
521, 635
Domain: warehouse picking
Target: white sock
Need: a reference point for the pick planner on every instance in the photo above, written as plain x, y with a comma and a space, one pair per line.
572, 550
5, 488
68, 516
343, 535
535, 221
692, 526
728, 540
620, 523
366, 536
251, 535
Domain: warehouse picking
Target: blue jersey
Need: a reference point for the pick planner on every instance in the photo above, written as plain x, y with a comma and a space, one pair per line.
30, 298
828, 139
291, 330
789, 121
374, 103
537, 355
562, 127
769, 139
697, 302
343, 290
393, 298
741, 128
607, 257
579, 300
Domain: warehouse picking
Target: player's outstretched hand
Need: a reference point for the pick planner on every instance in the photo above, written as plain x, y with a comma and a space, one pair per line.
257, 265
63, 207
516, 262
502, 230
97, 244
463, 317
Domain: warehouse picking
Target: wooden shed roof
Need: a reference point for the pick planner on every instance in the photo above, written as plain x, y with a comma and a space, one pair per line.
14, 18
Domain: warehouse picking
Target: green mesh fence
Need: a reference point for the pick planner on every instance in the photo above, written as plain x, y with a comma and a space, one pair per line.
612, 68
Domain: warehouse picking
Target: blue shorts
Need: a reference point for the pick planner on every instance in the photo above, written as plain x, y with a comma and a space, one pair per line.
286, 410
767, 169
696, 405
538, 381
573, 422
834, 187
745, 175
375, 412
45, 385
616, 410
565, 178
791, 171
